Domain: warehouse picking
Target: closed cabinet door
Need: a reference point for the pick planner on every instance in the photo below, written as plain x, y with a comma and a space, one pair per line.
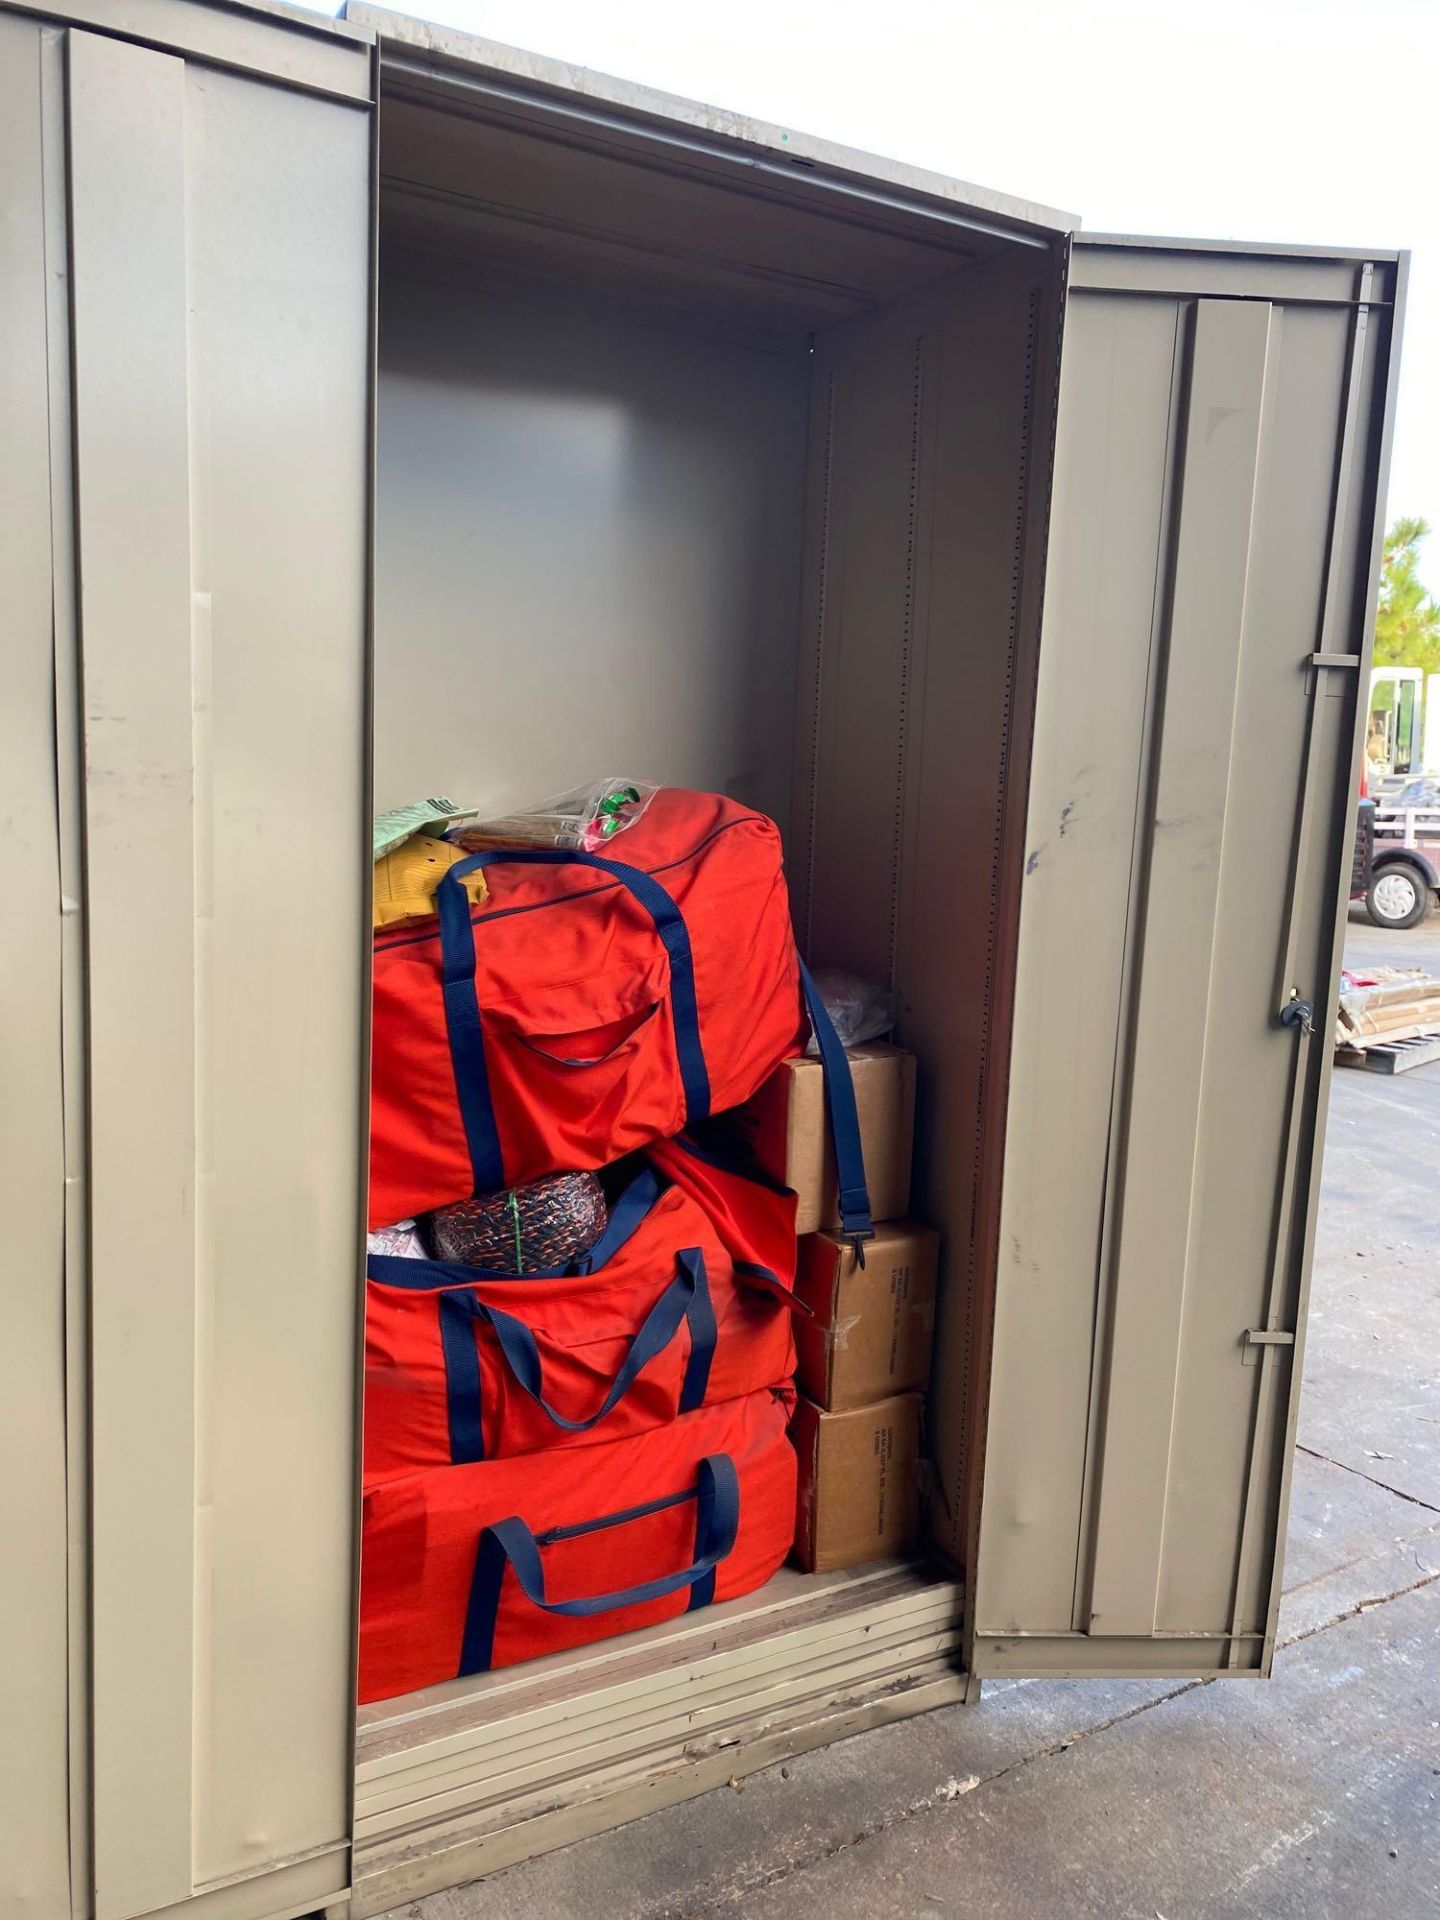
210, 273
38, 1127
1220, 445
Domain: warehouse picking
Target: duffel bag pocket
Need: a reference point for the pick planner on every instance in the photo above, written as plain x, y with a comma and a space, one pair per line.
466, 1020
588, 1047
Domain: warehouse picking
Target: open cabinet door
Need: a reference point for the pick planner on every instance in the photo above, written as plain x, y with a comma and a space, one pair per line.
213, 364
1221, 443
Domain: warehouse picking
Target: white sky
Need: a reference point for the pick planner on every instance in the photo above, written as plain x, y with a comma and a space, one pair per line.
1310, 121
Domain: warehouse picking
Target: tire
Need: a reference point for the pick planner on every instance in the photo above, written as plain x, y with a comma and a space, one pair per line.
1398, 895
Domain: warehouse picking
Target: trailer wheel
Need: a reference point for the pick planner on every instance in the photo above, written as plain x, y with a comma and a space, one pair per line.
1398, 895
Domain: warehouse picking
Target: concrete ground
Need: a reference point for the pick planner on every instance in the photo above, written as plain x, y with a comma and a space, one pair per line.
1316, 1794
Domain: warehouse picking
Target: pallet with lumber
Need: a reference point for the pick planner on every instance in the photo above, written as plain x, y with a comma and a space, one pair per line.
1396, 1056
1390, 1024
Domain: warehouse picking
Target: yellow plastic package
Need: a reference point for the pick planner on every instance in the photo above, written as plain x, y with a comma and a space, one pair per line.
406, 879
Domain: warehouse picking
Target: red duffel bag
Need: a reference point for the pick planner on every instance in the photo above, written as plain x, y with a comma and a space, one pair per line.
468, 1568
684, 1300
586, 1008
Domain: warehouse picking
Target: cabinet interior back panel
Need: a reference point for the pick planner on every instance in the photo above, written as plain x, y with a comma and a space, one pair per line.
588, 547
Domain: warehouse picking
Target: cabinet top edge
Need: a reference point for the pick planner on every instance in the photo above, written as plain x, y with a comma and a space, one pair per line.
402, 36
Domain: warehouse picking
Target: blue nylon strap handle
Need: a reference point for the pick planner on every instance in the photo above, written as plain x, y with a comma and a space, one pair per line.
628, 1212
854, 1196
703, 1331
511, 1543
467, 1039
686, 1298
717, 1521
462, 1376
462, 1007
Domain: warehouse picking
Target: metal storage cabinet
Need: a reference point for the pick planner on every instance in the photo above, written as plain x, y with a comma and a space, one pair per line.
1015, 570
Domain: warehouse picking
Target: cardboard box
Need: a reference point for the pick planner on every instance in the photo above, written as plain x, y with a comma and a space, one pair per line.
859, 1495
792, 1132
871, 1329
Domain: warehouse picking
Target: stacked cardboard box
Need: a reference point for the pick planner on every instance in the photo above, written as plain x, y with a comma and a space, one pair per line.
792, 1132
864, 1353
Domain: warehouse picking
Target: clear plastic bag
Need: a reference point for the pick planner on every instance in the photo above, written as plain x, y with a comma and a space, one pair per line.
859, 1009
402, 1241
587, 818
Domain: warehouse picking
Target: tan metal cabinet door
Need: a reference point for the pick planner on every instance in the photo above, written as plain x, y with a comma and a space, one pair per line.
220, 262
1221, 440
38, 1126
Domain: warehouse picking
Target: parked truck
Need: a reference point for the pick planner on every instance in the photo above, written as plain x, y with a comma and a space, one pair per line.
1396, 870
